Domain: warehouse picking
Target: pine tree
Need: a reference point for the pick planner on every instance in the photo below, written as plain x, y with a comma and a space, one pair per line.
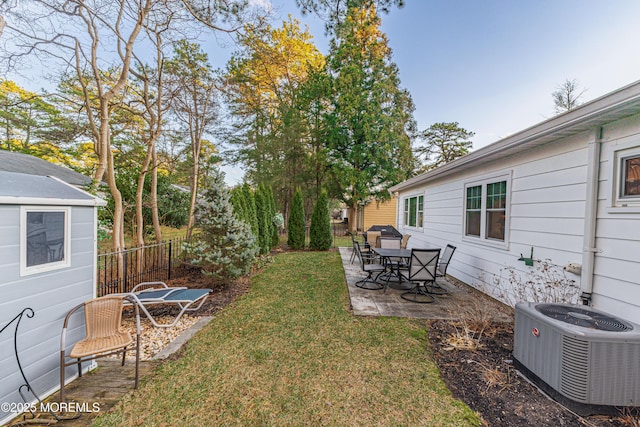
320, 232
225, 246
296, 225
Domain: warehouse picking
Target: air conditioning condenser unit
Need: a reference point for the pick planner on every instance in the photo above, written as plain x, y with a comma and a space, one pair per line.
585, 355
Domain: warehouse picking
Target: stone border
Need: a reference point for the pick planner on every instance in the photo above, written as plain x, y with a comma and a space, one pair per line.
182, 339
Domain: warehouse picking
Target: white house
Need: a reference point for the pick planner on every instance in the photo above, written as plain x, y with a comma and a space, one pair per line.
568, 187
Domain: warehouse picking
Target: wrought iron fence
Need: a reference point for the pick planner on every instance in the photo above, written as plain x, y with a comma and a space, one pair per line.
150, 263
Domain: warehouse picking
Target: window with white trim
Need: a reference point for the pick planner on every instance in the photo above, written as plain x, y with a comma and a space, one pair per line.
628, 177
44, 239
414, 211
486, 216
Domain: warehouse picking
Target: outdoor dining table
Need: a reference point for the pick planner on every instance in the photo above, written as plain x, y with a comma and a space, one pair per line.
387, 254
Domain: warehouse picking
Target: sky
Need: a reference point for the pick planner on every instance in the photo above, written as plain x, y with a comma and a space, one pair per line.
491, 65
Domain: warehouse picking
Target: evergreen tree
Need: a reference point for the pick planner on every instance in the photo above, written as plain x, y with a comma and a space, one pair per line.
275, 237
250, 204
320, 232
238, 203
262, 212
296, 225
225, 247
371, 115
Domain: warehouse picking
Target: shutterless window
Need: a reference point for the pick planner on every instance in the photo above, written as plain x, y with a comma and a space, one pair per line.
486, 210
631, 177
44, 240
414, 211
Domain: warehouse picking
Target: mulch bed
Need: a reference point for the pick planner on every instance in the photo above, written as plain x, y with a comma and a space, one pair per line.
486, 380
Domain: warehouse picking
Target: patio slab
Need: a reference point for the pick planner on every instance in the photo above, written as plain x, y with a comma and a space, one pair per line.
460, 298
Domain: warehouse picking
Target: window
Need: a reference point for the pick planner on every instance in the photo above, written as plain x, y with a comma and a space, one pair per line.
414, 211
44, 239
628, 162
486, 210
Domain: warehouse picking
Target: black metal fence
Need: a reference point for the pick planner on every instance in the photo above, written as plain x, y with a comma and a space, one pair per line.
150, 263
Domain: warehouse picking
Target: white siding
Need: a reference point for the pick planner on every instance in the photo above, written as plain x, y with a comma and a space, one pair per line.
50, 294
547, 201
616, 287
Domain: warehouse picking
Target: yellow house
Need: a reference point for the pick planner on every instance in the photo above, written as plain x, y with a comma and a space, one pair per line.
377, 213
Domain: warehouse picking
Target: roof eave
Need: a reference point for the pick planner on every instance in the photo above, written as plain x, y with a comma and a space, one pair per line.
613, 106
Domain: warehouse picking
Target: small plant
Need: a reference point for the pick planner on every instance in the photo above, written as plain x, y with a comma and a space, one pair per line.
474, 321
546, 282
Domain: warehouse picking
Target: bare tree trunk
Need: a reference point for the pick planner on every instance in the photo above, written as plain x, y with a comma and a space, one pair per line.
155, 217
139, 198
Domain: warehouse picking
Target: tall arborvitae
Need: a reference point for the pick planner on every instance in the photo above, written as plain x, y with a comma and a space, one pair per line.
275, 237
296, 226
225, 246
262, 212
239, 204
320, 237
250, 204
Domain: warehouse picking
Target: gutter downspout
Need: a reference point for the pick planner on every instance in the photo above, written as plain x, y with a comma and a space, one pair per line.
590, 216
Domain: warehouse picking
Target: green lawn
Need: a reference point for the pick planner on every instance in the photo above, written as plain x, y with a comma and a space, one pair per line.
289, 353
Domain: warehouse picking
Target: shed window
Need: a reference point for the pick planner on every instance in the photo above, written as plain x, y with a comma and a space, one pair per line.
486, 215
414, 211
44, 239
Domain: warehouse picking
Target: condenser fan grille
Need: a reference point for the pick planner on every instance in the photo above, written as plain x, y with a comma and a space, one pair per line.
583, 317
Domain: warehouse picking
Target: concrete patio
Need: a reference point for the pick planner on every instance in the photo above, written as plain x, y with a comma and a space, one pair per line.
460, 298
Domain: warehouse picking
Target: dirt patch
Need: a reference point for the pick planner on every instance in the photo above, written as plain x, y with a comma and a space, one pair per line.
486, 380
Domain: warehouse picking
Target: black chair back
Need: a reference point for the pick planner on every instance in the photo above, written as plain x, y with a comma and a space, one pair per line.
423, 265
444, 262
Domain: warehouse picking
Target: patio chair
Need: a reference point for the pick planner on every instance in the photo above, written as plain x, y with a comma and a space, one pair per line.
391, 263
104, 336
152, 293
441, 272
405, 239
372, 237
370, 269
421, 271
366, 252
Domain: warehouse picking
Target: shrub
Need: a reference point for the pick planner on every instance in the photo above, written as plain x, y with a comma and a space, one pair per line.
296, 225
320, 232
225, 246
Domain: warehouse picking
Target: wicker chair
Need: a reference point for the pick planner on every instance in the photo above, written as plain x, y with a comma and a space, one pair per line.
405, 239
104, 335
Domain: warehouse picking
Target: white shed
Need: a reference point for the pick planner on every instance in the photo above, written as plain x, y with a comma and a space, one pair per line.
568, 187
48, 253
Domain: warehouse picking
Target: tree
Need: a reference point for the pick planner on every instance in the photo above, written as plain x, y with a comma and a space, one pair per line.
271, 131
192, 85
225, 246
320, 237
262, 213
370, 118
96, 39
296, 226
333, 11
250, 203
566, 97
443, 142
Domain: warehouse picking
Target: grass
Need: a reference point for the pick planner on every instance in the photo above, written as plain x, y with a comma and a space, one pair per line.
289, 353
